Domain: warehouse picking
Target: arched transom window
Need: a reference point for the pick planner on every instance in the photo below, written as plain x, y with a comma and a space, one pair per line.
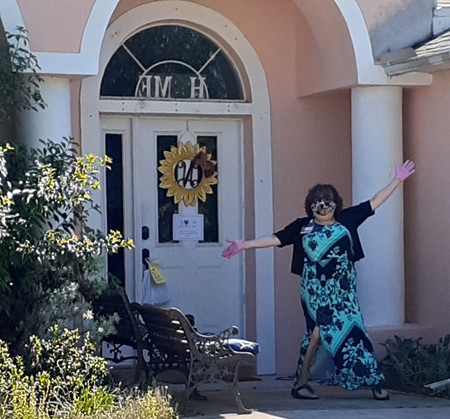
171, 62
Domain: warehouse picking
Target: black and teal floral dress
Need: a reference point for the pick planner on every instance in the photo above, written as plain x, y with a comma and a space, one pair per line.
329, 300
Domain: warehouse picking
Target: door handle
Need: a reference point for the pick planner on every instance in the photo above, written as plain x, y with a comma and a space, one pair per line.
145, 256
145, 233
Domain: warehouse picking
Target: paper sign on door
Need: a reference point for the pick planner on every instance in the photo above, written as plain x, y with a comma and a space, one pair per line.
187, 227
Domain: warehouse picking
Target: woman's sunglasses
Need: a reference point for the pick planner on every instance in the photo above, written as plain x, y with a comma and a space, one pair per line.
325, 199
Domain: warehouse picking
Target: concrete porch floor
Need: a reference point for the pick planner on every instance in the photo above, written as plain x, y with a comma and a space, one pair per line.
270, 398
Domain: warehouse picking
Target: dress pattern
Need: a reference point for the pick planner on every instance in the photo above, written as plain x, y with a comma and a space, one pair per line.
330, 302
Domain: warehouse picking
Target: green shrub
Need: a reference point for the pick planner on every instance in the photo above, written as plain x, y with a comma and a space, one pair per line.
68, 381
49, 256
70, 363
64, 369
21, 396
154, 404
19, 78
94, 401
409, 364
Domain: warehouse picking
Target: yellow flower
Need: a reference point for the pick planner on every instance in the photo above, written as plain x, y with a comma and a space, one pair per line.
90, 158
95, 185
6, 201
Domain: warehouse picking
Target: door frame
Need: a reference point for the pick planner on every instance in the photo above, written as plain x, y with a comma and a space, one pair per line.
256, 109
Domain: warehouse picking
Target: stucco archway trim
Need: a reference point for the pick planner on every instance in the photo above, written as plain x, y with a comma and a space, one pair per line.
10, 15
368, 72
258, 111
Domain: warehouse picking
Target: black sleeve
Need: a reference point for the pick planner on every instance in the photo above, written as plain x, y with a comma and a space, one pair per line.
358, 214
289, 233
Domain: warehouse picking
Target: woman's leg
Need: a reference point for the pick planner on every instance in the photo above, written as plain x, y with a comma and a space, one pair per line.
301, 389
310, 352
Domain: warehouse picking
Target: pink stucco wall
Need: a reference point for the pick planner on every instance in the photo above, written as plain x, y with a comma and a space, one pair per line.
325, 56
426, 130
55, 27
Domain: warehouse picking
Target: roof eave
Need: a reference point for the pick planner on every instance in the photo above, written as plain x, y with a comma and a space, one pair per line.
433, 63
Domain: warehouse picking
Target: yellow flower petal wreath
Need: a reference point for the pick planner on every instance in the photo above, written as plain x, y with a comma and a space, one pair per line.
168, 181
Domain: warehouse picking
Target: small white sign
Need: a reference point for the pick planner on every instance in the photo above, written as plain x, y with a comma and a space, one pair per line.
187, 227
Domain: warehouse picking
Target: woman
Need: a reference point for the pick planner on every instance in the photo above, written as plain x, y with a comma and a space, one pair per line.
326, 247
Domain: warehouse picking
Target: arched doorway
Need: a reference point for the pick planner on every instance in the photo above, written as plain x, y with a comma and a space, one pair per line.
183, 209
185, 107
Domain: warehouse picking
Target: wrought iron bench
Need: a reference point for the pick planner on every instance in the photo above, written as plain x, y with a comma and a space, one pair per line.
202, 358
128, 331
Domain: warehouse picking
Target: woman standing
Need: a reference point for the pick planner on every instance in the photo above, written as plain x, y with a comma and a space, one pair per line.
326, 247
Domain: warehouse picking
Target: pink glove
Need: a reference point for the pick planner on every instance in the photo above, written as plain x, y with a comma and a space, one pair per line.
235, 247
405, 171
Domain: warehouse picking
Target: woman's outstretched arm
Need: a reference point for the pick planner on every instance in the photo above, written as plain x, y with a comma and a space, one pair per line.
401, 173
237, 246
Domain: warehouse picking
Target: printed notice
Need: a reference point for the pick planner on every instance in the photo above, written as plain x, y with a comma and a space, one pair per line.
187, 227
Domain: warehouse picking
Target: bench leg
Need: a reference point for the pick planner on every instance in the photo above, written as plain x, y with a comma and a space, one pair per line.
141, 371
242, 410
188, 390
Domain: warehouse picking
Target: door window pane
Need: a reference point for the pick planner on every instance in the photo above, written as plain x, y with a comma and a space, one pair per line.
166, 205
209, 209
114, 202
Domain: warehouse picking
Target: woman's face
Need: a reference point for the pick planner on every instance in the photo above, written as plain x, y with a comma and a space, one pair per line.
323, 207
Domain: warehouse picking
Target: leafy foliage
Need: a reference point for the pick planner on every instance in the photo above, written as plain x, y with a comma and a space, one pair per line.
153, 404
410, 364
19, 78
46, 244
68, 381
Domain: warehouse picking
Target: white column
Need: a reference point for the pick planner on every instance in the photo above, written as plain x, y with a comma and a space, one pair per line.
376, 145
53, 122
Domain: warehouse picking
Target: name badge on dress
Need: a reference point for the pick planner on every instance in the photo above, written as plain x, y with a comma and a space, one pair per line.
308, 228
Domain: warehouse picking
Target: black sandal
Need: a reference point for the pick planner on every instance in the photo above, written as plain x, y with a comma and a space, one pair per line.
295, 392
377, 393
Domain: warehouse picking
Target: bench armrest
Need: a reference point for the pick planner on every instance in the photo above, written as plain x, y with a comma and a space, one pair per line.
214, 345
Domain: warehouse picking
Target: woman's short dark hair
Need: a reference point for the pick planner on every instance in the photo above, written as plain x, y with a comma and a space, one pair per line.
318, 191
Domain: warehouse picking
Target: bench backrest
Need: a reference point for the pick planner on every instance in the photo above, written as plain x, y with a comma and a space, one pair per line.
116, 302
168, 329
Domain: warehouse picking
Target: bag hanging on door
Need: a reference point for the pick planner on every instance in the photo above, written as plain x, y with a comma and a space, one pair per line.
155, 290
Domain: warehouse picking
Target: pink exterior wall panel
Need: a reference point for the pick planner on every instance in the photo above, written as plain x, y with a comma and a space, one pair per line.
55, 26
426, 130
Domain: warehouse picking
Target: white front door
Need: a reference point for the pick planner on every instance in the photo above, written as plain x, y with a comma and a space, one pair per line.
198, 280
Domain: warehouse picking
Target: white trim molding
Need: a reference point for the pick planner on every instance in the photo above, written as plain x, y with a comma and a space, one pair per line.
201, 17
10, 15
